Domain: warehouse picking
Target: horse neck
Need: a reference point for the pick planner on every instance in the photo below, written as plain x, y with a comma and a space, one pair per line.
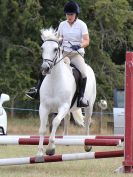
1, 109
58, 69
1, 102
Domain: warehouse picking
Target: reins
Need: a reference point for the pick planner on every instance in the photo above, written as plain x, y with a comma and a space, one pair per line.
63, 57
54, 61
76, 50
55, 58
69, 53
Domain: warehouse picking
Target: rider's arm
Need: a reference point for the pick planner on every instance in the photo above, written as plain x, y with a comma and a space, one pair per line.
85, 41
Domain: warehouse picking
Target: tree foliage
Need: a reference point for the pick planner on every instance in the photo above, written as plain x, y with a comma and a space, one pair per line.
20, 48
110, 24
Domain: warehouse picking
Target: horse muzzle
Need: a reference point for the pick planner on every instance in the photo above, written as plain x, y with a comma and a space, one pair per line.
45, 69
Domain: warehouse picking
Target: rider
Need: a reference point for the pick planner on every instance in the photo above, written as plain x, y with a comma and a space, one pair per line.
75, 38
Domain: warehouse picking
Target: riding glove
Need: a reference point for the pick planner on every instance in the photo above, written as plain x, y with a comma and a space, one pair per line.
76, 47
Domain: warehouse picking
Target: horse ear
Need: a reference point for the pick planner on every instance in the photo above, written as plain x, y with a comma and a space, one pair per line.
60, 40
42, 36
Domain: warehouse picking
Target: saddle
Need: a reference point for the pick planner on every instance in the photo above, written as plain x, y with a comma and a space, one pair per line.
78, 79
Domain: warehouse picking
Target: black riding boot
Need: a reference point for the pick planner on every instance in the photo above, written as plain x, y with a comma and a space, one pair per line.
82, 101
33, 93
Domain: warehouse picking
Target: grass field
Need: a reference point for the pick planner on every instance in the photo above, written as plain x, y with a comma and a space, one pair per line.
84, 168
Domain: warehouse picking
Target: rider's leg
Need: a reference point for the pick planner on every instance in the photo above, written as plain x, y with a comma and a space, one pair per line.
79, 62
83, 102
33, 92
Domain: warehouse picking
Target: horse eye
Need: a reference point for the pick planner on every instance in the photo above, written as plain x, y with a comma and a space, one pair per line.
55, 50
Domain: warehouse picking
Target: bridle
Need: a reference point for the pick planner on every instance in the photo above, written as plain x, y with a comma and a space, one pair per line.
54, 60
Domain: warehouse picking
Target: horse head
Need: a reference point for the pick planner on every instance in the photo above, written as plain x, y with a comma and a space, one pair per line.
50, 49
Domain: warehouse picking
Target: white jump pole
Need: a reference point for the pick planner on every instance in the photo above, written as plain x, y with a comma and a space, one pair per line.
59, 158
121, 137
58, 141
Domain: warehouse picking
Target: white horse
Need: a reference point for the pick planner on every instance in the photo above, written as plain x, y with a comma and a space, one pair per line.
3, 115
57, 90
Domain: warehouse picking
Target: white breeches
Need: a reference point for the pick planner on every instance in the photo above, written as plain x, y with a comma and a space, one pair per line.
77, 60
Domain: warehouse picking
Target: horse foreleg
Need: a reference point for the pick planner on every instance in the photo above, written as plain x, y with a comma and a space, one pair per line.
43, 112
62, 111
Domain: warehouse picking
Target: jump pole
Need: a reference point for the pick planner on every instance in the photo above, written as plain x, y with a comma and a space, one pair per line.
59, 158
58, 141
121, 137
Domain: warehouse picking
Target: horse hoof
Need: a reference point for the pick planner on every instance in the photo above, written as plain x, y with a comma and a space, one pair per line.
50, 151
39, 154
87, 148
39, 159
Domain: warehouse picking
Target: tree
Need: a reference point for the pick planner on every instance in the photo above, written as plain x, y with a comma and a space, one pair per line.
110, 24
19, 43
107, 22
20, 25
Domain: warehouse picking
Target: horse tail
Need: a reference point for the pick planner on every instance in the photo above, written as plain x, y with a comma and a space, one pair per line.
78, 117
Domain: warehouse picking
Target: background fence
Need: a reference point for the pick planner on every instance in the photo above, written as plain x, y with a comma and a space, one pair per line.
102, 121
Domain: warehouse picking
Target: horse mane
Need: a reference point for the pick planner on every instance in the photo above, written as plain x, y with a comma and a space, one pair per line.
50, 33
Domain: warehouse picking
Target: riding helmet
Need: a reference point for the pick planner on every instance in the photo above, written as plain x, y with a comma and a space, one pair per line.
71, 7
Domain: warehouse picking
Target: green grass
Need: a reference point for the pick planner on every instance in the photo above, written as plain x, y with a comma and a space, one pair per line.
83, 168
94, 167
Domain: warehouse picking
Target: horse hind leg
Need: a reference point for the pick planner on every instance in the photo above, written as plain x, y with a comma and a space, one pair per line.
56, 122
66, 124
88, 121
50, 120
88, 114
